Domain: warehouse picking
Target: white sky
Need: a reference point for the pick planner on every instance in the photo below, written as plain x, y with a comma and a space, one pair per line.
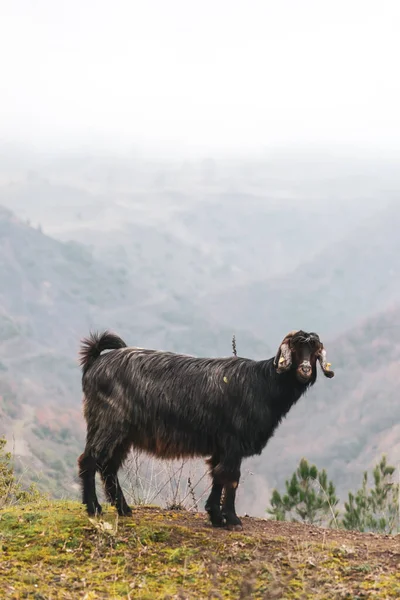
207, 75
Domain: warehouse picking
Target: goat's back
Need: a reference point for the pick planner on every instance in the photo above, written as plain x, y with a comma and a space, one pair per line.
142, 387
143, 372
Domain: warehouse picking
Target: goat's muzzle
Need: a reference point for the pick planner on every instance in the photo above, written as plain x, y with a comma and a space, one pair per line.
304, 371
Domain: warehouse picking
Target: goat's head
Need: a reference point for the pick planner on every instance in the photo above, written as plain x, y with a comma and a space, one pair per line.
301, 351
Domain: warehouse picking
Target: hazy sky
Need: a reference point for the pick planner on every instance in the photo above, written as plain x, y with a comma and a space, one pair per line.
202, 75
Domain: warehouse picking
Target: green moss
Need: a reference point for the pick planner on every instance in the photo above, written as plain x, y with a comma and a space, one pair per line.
52, 549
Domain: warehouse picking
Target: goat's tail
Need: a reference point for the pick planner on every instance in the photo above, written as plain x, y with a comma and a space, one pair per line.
93, 346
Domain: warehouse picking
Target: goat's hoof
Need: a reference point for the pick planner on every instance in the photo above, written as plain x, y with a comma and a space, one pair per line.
94, 511
217, 521
236, 527
233, 523
216, 516
126, 512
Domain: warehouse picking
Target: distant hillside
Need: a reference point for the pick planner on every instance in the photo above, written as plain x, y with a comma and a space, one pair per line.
181, 259
215, 224
346, 282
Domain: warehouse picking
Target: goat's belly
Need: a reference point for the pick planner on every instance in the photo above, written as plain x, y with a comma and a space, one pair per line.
173, 446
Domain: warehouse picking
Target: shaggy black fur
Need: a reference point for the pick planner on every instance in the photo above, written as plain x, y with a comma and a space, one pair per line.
174, 406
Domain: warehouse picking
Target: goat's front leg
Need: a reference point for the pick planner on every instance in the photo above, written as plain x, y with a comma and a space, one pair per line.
228, 510
226, 474
213, 503
231, 477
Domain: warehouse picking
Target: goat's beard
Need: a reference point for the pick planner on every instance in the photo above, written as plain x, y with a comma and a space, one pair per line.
304, 378
306, 371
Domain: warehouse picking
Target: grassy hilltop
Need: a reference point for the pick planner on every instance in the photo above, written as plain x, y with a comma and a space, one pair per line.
52, 550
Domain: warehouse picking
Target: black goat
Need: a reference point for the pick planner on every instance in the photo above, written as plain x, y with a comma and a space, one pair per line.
175, 406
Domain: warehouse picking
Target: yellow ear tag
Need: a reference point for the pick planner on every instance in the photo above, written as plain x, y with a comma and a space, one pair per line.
226, 379
281, 360
328, 365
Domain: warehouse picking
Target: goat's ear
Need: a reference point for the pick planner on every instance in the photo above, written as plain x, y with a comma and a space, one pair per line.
325, 366
283, 358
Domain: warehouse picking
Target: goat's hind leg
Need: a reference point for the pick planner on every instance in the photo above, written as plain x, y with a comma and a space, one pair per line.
113, 490
108, 472
87, 473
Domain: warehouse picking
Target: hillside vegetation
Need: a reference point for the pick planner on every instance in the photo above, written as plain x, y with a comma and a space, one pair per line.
53, 550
